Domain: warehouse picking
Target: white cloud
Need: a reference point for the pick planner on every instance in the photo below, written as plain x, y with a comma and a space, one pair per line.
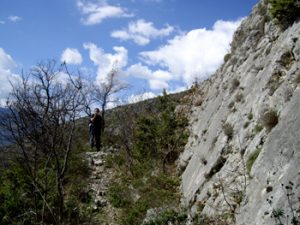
106, 61
141, 32
141, 97
2, 22
14, 18
158, 79
197, 53
7, 64
158, 84
97, 12
71, 56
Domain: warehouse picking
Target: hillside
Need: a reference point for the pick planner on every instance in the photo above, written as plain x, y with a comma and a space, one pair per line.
242, 159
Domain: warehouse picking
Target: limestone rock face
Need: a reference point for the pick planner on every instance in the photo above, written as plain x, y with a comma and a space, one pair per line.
239, 154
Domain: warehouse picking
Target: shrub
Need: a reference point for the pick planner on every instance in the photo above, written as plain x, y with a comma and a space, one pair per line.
227, 57
269, 119
252, 158
119, 195
246, 124
258, 128
135, 214
14, 195
228, 130
231, 104
234, 84
286, 12
250, 116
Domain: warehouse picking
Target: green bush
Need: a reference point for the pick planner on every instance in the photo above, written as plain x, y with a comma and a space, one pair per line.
15, 197
250, 116
258, 128
246, 124
119, 195
135, 215
230, 105
252, 158
286, 12
227, 57
145, 138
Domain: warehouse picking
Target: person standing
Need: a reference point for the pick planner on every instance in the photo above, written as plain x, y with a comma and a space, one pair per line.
96, 125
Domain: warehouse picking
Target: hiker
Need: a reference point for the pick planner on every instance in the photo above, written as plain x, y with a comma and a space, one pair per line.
96, 125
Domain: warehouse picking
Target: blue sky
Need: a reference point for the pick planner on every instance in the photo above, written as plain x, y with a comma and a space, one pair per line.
156, 44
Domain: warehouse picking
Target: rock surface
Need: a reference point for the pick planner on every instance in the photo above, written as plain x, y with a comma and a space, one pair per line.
260, 75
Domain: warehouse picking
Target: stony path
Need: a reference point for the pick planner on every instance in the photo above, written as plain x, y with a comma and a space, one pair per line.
98, 184
99, 179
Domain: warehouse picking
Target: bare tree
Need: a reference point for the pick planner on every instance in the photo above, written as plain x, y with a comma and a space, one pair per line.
40, 121
105, 92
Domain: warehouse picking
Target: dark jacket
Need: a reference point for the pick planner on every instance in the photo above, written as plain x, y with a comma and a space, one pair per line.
97, 123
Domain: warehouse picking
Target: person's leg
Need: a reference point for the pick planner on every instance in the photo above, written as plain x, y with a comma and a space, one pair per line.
92, 136
98, 140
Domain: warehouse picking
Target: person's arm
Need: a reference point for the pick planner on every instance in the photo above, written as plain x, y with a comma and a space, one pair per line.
93, 118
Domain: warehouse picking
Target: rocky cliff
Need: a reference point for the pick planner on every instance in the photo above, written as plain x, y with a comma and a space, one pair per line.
243, 155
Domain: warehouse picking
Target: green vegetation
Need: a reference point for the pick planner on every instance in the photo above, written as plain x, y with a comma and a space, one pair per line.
119, 195
14, 192
149, 144
246, 124
227, 57
17, 206
250, 161
258, 128
231, 105
250, 116
286, 12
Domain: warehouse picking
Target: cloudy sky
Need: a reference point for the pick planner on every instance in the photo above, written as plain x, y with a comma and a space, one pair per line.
155, 44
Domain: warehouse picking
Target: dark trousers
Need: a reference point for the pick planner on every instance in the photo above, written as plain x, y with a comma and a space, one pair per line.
95, 138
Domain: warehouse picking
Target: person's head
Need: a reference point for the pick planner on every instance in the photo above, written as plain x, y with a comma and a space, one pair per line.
97, 110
